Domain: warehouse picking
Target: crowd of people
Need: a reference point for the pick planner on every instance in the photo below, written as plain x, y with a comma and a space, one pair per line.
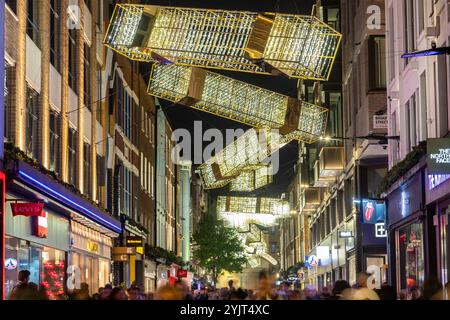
267, 290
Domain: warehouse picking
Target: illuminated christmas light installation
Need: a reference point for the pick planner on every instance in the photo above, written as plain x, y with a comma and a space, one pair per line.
298, 46
251, 180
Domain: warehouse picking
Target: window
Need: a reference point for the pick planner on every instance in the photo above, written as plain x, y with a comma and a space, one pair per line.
423, 108
377, 63
391, 53
55, 30
127, 113
86, 169
71, 157
100, 93
135, 197
119, 113
410, 260
135, 124
32, 123
143, 125
87, 77
33, 21
127, 177
73, 60
9, 74
409, 27
101, 174
54, 141
12, 4
411, 128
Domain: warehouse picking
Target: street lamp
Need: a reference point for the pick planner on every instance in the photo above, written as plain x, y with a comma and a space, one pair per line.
369, 137
426, 53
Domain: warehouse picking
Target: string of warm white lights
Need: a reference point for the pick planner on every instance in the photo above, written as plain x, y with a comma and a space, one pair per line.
296, 45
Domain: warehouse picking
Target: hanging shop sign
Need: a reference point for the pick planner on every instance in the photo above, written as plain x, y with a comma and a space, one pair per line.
120, 257
373, 211
181, 273
380, 122
11, 264
311, 261
40, 225
134, 242
438, 158
27, 209
380, 230
124, 250
345, 234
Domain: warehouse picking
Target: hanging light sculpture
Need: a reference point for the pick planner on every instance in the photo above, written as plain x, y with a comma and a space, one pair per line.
251, 180
247, 153
298, 46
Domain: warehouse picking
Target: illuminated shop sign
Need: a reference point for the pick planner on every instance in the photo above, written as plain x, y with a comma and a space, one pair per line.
311, 261
27, 209
435, 180
10, 264
373, 211
345, 234
134, 242
380, 230
438, 159
40, 225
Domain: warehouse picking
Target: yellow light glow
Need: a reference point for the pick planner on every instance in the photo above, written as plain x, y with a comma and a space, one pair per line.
251, 180
252, 205
238, 101
296, 45
246, 153
220, 95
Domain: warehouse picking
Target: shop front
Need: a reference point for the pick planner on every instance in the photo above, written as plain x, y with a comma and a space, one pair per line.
438, 205
45, 257
149, 275
91, 254
60, 237
408, 234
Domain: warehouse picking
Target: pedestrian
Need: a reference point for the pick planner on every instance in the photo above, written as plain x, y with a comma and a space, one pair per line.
230, 286
362, 292
97, 295
283, 293
311, 293
118, 294
82, 293
340, 290
106, 293
432, 288
20, 290
387, 292
133, 293
325, 294
416, 293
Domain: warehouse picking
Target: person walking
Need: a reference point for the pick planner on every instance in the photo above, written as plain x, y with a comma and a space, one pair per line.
21, 291
362, 292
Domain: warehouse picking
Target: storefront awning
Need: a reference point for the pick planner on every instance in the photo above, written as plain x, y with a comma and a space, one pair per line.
83, 209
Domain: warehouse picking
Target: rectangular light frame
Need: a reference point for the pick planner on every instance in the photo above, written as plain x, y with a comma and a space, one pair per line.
299, 46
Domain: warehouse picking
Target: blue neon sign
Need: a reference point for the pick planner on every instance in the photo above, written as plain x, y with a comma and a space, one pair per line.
54, 193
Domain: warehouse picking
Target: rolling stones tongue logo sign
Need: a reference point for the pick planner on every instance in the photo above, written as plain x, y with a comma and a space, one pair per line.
370, 210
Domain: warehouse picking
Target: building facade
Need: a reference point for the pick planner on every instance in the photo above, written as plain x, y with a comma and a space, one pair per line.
335, 175
55, 134
132, 119
418, 107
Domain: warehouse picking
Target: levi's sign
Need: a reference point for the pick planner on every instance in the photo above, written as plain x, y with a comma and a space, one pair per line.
28, 209
438, 159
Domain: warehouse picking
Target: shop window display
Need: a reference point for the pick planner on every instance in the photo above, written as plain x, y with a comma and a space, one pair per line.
46, 266
410, 256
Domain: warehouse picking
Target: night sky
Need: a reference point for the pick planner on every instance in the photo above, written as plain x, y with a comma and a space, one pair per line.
184, 117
